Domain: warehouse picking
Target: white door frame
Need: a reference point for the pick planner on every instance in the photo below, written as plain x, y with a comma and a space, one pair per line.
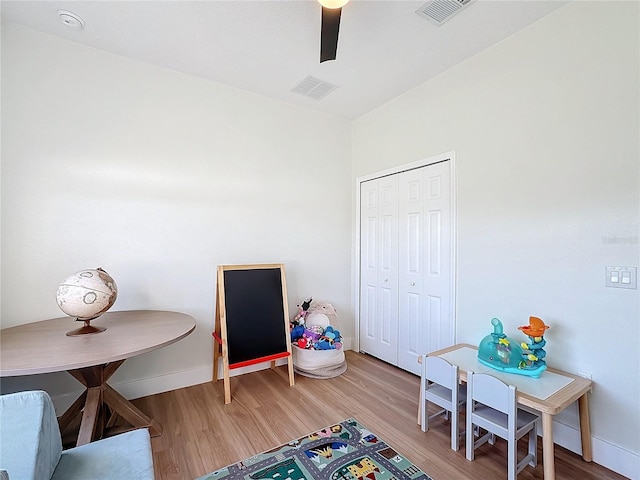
451, 156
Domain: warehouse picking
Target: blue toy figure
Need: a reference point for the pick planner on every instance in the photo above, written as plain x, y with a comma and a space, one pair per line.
502, 353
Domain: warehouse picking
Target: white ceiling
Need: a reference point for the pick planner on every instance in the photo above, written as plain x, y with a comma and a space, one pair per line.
267, 47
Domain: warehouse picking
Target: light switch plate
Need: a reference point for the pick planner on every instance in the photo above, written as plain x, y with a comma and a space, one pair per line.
621, 277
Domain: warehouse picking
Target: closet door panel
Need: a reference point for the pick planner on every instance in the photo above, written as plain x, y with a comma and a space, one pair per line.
387, 344
368, 311
379, 264
387, 319
436, 330
438, 274
368, 264
411, 270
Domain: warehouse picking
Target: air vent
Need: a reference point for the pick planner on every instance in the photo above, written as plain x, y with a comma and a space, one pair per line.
313, 88
440, 11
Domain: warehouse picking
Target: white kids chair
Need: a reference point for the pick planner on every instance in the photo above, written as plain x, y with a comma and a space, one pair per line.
439, 385
492, 405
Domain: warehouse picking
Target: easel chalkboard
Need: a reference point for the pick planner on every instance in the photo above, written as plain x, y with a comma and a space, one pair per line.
252, 319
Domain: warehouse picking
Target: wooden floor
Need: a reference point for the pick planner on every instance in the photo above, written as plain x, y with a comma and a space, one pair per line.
201, 434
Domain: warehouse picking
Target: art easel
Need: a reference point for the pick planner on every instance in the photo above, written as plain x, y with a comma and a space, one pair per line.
252, 319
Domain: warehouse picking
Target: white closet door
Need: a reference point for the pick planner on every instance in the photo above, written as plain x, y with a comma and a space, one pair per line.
411, 270
406, 288
379, 268
368, 265
424, 263
438, 286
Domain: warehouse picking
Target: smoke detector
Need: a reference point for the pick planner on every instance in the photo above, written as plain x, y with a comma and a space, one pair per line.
440, 11
71, 20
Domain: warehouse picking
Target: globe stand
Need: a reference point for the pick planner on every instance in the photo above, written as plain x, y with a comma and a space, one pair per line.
86, 329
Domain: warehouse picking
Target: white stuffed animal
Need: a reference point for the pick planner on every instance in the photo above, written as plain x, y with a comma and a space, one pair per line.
322, 314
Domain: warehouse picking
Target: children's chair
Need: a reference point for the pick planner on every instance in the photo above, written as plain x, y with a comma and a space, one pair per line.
492, 406
439, 384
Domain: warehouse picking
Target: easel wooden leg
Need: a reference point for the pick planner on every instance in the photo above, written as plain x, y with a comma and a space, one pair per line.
225, 372
227, 387
217, 339
290, 363
216, 358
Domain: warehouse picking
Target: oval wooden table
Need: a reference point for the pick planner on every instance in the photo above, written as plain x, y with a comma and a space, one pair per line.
44, 347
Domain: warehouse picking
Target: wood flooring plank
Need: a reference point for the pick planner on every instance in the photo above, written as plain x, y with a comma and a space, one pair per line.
202, 434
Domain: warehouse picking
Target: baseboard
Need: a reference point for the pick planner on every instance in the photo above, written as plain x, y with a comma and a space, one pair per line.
164, 383
145, 386
606, 454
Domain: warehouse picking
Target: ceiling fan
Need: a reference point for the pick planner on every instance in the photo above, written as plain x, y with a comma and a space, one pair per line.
331, 12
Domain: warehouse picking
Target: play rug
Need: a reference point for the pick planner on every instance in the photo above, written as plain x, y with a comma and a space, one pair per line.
345, 451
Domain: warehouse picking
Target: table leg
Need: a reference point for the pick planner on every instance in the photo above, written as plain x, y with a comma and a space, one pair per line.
585, 428
129, 412
98, 400
548, 456
90, 416
72, 412
92, 378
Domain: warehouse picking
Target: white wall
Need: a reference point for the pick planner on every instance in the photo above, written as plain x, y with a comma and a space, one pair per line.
545, 128
158, 177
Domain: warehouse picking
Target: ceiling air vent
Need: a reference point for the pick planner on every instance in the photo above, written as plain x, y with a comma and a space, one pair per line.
439, 11
313, 88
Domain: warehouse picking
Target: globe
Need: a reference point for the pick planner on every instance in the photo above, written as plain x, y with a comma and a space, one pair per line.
86, 295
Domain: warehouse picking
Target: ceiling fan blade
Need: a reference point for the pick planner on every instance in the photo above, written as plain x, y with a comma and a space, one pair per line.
329, 33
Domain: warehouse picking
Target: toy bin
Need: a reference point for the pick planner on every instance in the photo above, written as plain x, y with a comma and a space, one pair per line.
318, 363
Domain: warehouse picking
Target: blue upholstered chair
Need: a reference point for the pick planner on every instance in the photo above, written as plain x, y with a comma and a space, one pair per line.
31, 446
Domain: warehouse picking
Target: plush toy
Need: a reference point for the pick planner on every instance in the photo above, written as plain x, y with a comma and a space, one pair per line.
329, 339
304, 342
317, 320
322, 314
324, 344
314, 332
323, 307
333, 334
302, 312
297, 332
